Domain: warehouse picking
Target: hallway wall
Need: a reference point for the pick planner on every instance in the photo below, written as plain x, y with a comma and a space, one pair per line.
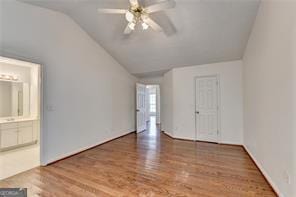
167, 109
179, 105
269, 94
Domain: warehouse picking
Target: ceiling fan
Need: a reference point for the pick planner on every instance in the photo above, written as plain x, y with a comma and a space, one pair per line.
137, 14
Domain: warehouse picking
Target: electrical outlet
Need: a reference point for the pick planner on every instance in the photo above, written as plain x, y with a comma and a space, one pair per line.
287, 177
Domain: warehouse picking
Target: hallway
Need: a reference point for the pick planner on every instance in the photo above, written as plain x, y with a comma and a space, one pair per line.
150, 164
153, 128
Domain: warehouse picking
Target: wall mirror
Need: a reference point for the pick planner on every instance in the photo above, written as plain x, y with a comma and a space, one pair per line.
14, 99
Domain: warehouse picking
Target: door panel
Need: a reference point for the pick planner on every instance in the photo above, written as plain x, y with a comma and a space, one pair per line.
206, 109
25, 135
9, 137
141, 107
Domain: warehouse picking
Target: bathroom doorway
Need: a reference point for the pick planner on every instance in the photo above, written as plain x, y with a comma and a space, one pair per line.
20, 98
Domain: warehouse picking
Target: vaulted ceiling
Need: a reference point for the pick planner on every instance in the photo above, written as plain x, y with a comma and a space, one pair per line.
197, 32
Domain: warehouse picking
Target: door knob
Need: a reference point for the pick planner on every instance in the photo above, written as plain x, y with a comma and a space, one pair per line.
137, 110
197, 112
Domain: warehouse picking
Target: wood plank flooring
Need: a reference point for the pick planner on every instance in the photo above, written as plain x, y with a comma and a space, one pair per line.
148, 164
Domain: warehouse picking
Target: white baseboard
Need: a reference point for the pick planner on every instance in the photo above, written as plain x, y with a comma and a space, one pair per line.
60, 157
182, 138
230, 143
265, 174
168, 134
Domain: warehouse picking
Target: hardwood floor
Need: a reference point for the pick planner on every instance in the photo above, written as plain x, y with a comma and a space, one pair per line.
150, 164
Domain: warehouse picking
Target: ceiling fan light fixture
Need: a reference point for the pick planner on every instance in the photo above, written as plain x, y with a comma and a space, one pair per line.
145, 26
132, 26
137, 14
129, 16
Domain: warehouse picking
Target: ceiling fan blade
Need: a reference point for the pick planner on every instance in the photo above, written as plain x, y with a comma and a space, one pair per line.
160, 6
127, 30
152, 24
112, 11
165, 22
134, 2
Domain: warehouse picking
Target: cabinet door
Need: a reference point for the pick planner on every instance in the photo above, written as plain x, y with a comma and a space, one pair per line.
9, 138
36, 128
25, 135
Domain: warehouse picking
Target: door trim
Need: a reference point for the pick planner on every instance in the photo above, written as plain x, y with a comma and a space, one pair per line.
217, 76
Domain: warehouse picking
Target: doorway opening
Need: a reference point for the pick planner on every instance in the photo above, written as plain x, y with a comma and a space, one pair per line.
148, 108
20, 93
153, 107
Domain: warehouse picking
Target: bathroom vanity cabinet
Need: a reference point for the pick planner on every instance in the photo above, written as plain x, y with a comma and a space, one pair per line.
18, 133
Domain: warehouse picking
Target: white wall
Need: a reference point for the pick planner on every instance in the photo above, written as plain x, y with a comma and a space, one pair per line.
269, 93
230, 75
88, 97
166, 106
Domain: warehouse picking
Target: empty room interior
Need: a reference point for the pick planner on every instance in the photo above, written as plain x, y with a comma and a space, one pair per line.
148, 98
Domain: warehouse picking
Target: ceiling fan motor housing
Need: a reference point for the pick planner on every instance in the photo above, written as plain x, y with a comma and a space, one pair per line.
138, 12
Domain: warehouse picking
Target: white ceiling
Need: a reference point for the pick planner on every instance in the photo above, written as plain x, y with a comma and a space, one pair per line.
204, 31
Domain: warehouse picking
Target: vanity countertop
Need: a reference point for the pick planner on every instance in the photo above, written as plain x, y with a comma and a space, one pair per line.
11, 120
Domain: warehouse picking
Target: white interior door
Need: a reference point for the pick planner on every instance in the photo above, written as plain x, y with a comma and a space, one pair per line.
206, 112
141, 108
